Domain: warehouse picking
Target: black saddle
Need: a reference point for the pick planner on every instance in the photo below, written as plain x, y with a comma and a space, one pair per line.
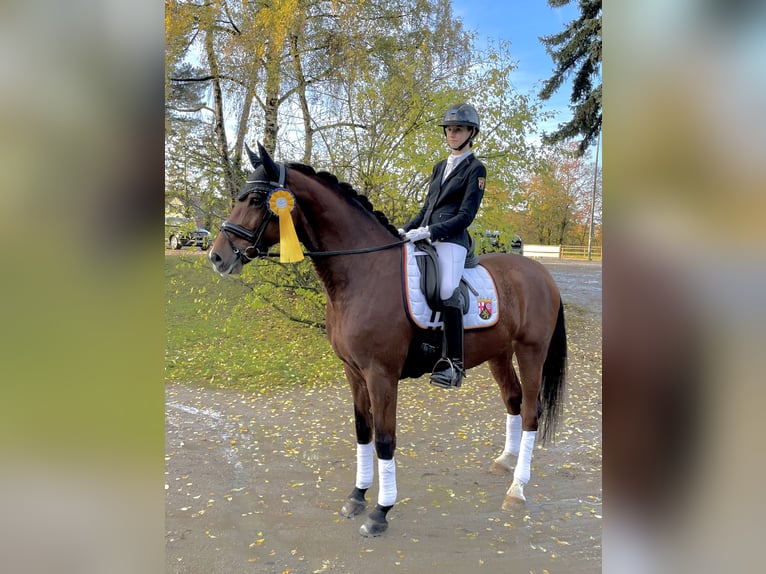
430, 279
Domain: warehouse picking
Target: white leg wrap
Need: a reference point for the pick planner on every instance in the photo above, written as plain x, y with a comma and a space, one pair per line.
521, 472
512, 434
364, 465
387, 476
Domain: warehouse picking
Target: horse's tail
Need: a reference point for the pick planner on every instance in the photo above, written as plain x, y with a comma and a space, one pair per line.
554, 377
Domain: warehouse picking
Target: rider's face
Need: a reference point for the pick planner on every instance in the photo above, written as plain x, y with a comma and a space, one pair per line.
456, 135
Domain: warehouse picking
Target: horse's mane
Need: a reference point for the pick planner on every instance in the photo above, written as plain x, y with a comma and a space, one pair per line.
347, 191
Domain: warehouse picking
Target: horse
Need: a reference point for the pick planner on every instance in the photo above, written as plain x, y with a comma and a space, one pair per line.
357, 254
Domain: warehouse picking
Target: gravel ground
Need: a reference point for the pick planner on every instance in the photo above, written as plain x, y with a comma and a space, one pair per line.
256, 483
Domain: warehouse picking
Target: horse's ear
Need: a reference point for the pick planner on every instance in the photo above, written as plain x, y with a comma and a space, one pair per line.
254, 159
272, 170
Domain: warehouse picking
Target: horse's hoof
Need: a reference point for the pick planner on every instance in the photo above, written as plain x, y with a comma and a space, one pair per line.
503, 463
511, 503
353, 508
372, 528
515, 496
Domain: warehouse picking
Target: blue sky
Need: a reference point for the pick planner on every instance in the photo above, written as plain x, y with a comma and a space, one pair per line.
522, 22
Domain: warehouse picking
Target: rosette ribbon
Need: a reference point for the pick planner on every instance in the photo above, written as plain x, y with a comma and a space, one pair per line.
281, 203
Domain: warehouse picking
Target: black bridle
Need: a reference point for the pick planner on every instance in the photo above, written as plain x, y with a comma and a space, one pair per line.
255, 250
261, 188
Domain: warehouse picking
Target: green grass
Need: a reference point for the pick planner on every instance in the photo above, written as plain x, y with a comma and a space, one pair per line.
219, 334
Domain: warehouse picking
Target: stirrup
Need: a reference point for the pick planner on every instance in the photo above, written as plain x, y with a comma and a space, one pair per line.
447, 374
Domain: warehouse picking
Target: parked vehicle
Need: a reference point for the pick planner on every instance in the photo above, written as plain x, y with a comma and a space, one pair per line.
493, 241
517, 245
183, 232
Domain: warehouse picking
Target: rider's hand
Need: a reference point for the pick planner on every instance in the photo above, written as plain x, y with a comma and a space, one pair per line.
418, 234
402, 232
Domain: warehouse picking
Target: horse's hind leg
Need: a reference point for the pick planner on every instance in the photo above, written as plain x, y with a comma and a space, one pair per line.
531, 359
365, 471
504, 374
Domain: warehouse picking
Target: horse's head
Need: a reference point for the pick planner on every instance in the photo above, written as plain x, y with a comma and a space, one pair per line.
251, 227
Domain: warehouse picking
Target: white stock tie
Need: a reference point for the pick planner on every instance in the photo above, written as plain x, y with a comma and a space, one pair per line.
449, 167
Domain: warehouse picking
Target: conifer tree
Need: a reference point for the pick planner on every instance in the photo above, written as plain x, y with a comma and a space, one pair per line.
577, 50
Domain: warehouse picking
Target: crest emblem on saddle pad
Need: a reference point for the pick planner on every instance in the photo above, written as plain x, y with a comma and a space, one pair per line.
485, 308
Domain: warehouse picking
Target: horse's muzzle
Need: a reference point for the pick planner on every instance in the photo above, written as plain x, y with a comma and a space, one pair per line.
232, 266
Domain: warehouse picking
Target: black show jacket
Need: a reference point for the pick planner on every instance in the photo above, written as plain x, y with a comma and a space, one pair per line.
450, 207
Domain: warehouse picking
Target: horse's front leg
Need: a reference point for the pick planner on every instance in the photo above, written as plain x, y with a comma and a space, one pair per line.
382, 389
356, 502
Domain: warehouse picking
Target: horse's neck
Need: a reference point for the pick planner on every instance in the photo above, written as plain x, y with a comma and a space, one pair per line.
332, 223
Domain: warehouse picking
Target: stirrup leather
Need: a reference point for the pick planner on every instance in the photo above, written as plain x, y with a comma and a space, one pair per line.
447, 373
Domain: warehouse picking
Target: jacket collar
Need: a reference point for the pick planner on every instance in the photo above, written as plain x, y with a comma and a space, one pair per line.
458, 168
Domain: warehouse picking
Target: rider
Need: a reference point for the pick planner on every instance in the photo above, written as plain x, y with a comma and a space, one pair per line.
454, 196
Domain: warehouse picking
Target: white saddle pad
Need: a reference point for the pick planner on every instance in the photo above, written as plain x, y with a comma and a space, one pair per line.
484, 310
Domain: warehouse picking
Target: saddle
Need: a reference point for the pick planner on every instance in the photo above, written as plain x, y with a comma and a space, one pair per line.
430, 278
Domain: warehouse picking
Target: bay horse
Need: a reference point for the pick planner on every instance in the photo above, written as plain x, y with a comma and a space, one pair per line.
358, 257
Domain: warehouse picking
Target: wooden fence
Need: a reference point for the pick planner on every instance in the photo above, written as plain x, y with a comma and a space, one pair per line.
563, 251
552, 251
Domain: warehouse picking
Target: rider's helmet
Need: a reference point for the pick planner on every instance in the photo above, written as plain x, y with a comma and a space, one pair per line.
461, 115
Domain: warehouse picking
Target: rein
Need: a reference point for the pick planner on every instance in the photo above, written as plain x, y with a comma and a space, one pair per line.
254, 237
315, 254
354, 251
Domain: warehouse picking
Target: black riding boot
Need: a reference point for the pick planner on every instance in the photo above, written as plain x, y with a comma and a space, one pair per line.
449, 371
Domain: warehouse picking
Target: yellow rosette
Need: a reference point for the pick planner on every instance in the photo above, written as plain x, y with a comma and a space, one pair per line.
282, 203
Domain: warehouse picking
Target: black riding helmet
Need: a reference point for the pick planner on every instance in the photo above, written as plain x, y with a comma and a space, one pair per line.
462, 115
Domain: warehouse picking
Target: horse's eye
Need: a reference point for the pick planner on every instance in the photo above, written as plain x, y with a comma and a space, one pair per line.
256, 199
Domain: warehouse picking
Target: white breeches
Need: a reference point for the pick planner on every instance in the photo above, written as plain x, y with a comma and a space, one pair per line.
451, 265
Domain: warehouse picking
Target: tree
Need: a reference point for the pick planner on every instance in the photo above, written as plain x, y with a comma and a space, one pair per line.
193, 176
357, 86
554, 203
577, 50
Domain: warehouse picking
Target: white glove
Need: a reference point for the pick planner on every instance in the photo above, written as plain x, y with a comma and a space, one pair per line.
418, 234
402, 232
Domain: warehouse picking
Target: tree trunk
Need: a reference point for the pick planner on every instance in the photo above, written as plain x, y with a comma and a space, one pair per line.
271, 111
231, 182
307, 127
244, 118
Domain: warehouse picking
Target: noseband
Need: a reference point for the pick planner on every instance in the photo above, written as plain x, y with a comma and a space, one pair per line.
262, 189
